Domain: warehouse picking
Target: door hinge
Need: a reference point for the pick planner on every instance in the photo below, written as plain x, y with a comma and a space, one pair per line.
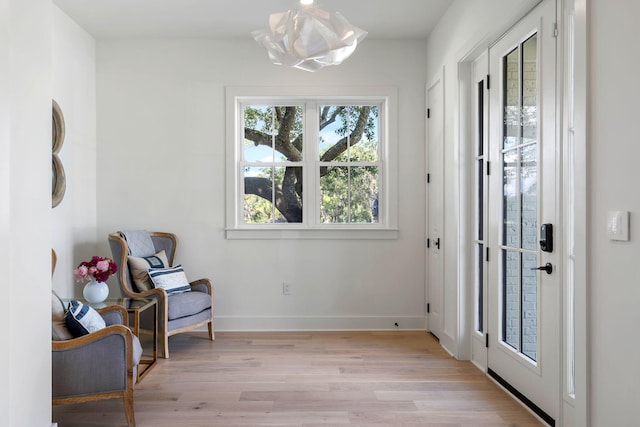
486, 340
487, 255
428, 178
428, 113
488, 168
555, 29
428, 308
488, 82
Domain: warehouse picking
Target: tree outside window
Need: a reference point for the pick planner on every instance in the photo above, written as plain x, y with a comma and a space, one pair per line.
345, 160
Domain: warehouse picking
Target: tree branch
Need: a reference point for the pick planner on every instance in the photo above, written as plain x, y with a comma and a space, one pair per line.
258, 138
356, 135
285, 202
324, 121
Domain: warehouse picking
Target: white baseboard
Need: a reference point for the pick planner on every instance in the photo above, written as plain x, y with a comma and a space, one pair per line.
318, 323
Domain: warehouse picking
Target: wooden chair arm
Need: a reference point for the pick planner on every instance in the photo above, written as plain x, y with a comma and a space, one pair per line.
93, 337
153, 293
206, 282
115, 308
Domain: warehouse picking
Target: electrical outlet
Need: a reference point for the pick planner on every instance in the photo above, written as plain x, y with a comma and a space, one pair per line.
286, 288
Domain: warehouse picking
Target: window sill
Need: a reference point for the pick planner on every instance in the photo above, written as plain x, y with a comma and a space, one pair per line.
312, 234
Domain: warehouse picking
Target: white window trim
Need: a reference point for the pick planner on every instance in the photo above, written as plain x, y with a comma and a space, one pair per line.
387, 229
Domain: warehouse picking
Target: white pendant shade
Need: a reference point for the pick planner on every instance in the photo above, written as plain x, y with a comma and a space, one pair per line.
309, 39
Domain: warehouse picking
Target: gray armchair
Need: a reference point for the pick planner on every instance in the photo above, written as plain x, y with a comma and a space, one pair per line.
177, 313
99, 365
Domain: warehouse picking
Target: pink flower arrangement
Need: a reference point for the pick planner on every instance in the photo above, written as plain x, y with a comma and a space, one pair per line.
98, 268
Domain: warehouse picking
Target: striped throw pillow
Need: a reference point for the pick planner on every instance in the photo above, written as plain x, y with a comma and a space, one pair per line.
172, 280
82, 319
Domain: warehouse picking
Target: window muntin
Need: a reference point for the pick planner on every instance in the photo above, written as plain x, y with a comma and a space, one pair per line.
344, 168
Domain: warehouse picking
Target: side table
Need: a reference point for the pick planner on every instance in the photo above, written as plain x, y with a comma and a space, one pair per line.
135, 308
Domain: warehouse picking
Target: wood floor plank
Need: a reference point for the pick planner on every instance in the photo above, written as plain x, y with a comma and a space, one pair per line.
377, 379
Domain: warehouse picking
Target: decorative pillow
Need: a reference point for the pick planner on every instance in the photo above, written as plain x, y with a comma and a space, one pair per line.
173, 280
140, 265
83, 319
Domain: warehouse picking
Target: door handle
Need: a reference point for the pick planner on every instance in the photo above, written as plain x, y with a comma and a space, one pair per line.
437, 243
547, 267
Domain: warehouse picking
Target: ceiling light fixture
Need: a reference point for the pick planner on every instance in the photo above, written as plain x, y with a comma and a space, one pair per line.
309, 38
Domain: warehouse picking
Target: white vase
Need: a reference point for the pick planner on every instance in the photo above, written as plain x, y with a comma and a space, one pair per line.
95, 292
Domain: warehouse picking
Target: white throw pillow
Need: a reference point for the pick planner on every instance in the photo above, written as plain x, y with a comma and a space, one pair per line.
172, 280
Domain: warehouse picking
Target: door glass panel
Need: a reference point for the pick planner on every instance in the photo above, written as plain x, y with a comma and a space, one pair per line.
510, 199
529, 90
529, 195
512, 88
480, 130
510, 298
529, 305
480, 207
480, 288
520, 199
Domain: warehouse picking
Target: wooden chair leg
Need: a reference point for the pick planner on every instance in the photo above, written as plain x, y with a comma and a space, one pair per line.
165, 345
210, 327
128, 408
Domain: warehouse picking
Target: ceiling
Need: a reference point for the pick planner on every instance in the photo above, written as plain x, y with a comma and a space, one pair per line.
235, 19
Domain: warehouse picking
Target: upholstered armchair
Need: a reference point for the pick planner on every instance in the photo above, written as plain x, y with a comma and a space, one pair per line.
177, 312
99, 365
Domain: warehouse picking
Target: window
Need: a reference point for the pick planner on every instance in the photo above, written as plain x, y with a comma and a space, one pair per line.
311, 166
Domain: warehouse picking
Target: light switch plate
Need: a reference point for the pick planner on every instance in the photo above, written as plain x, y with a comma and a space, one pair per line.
618, 226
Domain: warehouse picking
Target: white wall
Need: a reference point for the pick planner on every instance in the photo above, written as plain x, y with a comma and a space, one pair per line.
613, 177
74, 219
25, 211
161, 166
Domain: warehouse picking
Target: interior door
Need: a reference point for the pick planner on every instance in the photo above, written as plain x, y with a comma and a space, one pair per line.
435, 206
524, 302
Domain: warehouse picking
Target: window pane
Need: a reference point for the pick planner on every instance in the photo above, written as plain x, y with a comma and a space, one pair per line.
334, 196
258, 195
349, 194
364, 142
288, 141
266, 204
348, 133
258, 133
363, 194
288, 194
273, 133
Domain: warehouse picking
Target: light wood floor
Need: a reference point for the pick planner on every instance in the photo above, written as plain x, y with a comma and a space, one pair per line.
399, 379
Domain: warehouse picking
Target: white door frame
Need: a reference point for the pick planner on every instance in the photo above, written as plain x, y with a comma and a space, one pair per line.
435, 298
574, 411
